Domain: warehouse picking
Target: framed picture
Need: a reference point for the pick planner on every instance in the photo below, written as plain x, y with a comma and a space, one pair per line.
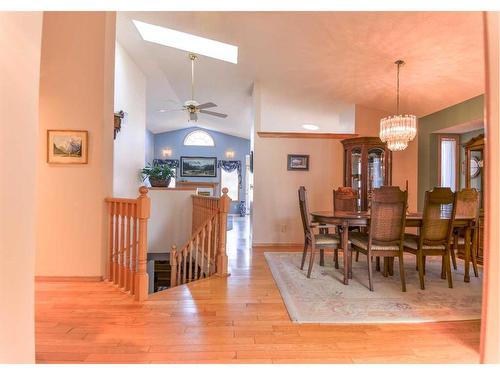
198, 166
298, 162
67, 146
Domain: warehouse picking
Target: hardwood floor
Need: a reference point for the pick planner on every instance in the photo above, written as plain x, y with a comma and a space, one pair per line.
240, 319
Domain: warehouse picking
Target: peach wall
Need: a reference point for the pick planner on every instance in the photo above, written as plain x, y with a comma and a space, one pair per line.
276, 215
404, 163
76, 92
490, 328
20, 38
275, 188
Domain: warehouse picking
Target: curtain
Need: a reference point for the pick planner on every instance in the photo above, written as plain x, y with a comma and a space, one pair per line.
448, 163
171, 163
230, 166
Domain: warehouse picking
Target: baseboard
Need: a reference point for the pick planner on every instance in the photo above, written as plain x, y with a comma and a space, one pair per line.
277, 244
68, 278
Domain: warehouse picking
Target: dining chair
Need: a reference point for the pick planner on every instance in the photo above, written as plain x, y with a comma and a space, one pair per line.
467, 205
345, 199
436, 232
385, 235
313, 240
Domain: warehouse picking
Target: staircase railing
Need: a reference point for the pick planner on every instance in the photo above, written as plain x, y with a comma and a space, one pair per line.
204, 254
127, 243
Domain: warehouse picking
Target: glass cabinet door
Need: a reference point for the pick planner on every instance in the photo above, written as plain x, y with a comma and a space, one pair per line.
476, 172
376, 169
356, 173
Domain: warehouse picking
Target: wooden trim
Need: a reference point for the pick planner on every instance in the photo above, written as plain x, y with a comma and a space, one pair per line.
277, 244
456, 137
306, 135
358, 141
175, 188
68, 278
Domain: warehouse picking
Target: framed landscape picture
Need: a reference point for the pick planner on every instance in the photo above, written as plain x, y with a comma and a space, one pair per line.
67, 146
298, 162
198, 166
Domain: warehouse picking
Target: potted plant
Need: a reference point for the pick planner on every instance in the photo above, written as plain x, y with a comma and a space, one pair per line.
159, 174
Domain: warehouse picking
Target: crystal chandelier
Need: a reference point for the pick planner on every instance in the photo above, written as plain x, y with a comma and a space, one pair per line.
398, 130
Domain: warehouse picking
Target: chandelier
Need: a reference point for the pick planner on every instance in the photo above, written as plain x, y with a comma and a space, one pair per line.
398, 130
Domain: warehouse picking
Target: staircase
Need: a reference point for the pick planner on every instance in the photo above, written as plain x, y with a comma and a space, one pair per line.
202, 256
127, 243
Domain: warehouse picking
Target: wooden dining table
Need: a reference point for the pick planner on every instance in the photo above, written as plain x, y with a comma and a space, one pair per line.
346, 219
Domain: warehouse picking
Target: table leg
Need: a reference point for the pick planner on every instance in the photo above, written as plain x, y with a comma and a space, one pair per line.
467, 254
347, 253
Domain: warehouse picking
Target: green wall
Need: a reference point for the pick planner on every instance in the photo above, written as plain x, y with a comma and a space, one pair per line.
469, 110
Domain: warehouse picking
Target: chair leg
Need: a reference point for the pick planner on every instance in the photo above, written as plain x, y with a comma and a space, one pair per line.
336, 258
420, 261
473, 254
311, 260
370, 271
350, 261
321, 257
304, 255
474, 263
424, 262
443, 267
455, 247
448, 268
391, 266
357, 256
386, 267
402, 272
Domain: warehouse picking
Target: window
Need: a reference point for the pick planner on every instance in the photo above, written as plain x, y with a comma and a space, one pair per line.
229, 180
199, 138
448, 161
172, 179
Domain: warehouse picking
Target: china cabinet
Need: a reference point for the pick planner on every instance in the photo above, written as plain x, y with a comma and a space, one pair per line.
474, 178
367, 165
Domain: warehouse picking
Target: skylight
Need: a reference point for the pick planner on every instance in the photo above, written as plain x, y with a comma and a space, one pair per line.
187, 42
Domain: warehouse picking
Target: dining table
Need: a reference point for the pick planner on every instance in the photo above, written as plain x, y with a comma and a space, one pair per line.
346, 219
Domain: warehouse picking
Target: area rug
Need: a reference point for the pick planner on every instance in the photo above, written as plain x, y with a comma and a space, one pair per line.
325, 299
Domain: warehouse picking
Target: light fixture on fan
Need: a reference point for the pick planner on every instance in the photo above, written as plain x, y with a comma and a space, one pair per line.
399, 129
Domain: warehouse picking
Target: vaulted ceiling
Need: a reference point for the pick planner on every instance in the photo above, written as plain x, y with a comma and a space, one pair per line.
337, 58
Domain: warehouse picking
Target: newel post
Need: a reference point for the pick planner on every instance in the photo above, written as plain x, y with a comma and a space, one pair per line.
221, 257
141, 277
173, 266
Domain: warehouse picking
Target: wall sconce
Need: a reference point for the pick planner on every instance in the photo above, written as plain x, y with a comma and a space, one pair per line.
229, 154
118, 119
167, 152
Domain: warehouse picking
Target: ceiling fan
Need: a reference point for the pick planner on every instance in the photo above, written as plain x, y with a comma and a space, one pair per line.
192, 106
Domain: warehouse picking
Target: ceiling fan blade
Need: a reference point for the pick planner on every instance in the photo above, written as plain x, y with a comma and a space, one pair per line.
163, 110
207, 105
222, 115
193, 116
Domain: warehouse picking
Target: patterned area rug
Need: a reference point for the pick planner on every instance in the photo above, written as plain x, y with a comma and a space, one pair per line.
325, 299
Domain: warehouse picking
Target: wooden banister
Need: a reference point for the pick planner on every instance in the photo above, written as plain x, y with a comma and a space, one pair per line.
127, 243
221, 257
204, 254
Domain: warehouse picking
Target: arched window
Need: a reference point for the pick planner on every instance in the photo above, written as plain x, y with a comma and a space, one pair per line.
199, 138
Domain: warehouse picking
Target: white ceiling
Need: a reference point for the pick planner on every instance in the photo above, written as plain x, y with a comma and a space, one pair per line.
335, 58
